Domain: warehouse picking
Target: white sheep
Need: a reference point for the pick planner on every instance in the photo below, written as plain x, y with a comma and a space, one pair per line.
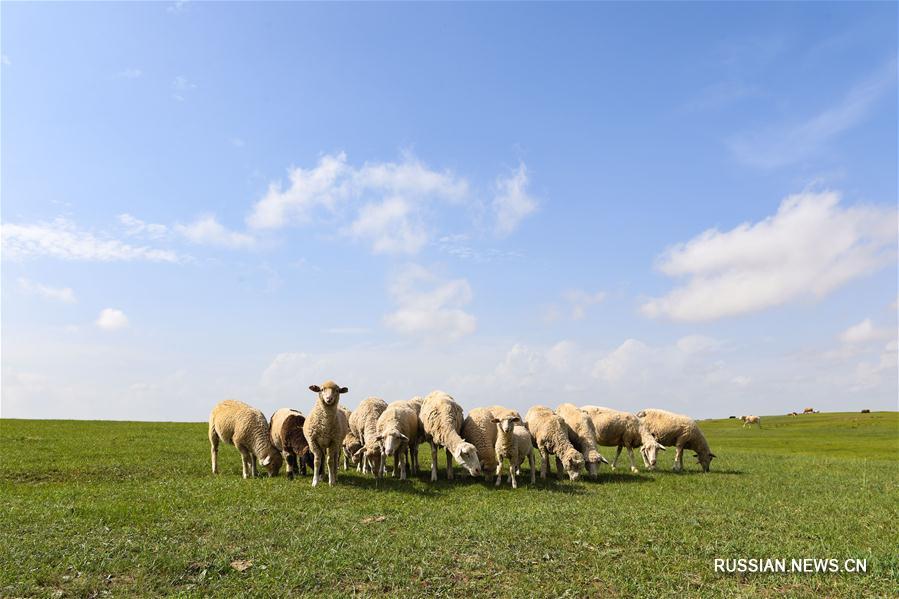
479, 429
364, 424
622, 429
442, 420
550, 435
396, 427
513, 442
750, 420
325, 429
415, 404
246, 428
582, 435
681, 431
286, 428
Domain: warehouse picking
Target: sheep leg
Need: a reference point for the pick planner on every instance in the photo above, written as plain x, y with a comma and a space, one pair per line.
559, 469
291, 465
214, 443
499, 472
533, 470
615, 461
317, 459
679, 458
253, 465
332, 465
245, 460
544, 463
449, 465
511, 474
630, 456
433, 462
403, 465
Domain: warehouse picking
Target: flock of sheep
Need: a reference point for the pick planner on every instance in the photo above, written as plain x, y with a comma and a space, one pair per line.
481, 442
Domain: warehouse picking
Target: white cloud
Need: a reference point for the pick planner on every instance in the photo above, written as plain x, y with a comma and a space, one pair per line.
809, 248
870, 375
5, 60
206, 230
386, 203
787, 144
863, 332
65, 294
579, 300
129, 73
181, 86
111, 319
434, 312
136, 227
177, 7
512, 202
62, 239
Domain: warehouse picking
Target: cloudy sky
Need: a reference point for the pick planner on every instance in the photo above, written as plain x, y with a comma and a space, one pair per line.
682, 206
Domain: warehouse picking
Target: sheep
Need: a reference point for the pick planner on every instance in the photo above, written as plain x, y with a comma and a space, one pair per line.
622, 429
513, 441
364, 424
246, 428
325, 429
351, 445
808, 411
415, 404
793, 414
397, 426
749, 420
582, 435
286, 429
550, 435
678, 430
442, 420
479, 429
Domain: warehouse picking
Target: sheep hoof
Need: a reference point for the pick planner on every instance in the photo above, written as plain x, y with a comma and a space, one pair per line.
634, 470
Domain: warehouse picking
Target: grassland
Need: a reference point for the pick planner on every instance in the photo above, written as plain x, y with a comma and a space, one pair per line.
131, 509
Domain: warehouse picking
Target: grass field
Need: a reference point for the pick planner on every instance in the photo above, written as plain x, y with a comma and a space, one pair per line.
131, 509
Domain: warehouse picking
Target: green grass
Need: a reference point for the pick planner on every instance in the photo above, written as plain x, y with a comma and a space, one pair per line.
131, 509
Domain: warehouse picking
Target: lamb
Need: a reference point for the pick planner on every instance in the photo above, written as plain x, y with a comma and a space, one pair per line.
582, 435
442, 420
550, 435
246, 428
397, 426
286, 429
622, 429
678, 430
479, 429
325, 429
749, 420
364, 424
513, 442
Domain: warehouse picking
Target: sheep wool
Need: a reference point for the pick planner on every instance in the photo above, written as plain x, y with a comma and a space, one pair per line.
442, 419
364, 424
624, 430
550, 435
396, 428
513, 442
582, 435
325, 429
286, 428
245, 427
681, 431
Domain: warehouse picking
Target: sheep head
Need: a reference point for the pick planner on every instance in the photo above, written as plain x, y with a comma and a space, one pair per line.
272, 462
467, 455
704, 459
351, 445
391, 442
506, 424
329, 392
572, 461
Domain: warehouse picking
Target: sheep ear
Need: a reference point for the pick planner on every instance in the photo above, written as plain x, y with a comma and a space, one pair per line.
496, 421
358, 453
405, 438
343, 390
516, 419
315, 388
379, 438
712, 455
662, 447
603, 460
266, 461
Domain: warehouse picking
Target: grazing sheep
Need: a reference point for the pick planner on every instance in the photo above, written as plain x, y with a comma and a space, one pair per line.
479, 429
550, 435
397, 426
866, 411
793, 414
325, 429
364, 425
622, 429
415, 404
246, 428
749, 420
582, 435
442, 420
808, 411
286, 428
678, 430
351, 445
513, 442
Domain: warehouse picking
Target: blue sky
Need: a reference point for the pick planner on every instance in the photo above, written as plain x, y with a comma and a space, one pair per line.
689, 206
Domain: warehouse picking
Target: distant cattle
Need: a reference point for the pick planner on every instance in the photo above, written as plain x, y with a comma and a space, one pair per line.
866, 411
793, 414
732, 417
